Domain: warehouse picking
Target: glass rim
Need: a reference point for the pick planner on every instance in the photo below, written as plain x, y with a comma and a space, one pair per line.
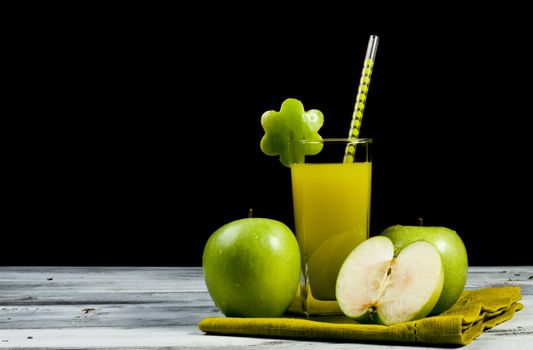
335, 140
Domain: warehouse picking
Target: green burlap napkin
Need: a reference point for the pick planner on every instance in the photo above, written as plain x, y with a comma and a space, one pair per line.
474, 312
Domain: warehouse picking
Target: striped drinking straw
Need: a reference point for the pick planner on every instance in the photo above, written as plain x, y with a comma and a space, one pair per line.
360, 100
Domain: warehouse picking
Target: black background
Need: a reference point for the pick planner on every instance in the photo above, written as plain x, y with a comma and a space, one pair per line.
135, 134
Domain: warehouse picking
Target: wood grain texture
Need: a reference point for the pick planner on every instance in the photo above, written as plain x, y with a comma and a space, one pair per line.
160, 307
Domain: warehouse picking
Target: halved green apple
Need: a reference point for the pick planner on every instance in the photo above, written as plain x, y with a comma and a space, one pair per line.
375, 285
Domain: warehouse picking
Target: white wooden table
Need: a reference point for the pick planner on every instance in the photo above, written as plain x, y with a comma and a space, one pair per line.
160, 307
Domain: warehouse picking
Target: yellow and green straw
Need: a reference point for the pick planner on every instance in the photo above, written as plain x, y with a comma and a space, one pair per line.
362, 93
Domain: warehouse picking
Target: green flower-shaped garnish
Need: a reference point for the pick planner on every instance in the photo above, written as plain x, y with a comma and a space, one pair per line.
292, 123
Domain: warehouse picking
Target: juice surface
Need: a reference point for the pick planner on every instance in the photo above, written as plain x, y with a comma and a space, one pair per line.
331, 211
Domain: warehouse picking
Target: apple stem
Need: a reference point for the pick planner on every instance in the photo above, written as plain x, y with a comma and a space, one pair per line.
420, 221
250, 212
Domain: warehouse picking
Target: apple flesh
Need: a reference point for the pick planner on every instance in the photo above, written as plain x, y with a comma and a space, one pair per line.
452, 251
252, 267
375, 286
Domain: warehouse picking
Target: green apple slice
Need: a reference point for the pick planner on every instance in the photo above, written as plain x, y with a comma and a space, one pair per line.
376, 286
291, 124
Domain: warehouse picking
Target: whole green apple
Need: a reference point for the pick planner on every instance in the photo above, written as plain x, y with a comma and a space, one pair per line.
452, 251
252, 267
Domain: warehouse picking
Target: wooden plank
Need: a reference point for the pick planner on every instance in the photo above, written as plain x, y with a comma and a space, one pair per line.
160, 307
190, 338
